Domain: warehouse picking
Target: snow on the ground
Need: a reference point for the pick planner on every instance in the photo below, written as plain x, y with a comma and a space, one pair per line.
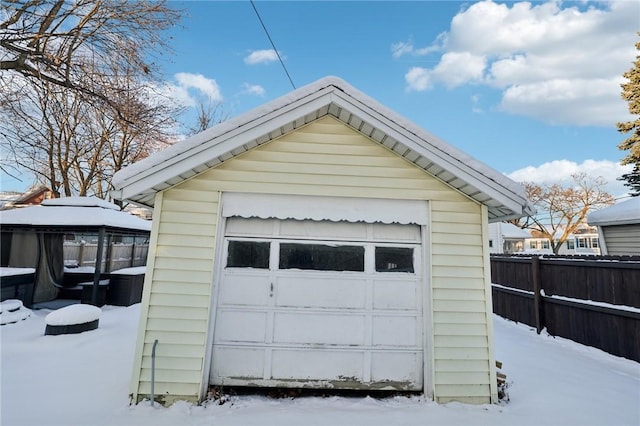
83, 379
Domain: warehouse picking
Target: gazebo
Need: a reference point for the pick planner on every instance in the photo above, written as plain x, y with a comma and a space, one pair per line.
33, 237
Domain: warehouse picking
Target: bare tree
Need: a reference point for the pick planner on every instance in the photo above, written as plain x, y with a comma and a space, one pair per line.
61, 42
76, 101
208, 114
563, 209
75, 147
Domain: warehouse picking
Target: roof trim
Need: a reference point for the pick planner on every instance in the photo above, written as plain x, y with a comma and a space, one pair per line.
139, 182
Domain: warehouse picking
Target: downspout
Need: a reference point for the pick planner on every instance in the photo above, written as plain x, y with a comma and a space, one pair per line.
153, 370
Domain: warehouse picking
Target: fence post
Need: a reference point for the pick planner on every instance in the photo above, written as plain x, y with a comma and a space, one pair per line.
537, 297
133, 253
81, 254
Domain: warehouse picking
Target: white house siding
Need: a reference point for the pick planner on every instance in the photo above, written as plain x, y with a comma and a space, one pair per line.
329, 158
622, 239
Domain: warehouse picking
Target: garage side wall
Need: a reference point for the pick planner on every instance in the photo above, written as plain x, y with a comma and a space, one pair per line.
327, 158
176, 302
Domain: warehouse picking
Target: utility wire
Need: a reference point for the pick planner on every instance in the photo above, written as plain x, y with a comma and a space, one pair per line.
273, 45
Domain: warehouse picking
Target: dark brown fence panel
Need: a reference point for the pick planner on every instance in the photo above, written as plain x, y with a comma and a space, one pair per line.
511, 271
615, 281
612, 330
514, 304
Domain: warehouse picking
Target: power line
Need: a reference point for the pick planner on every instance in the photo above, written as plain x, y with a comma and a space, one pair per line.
273, 45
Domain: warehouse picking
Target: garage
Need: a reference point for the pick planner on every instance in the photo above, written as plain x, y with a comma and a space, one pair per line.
319, 303
321, 240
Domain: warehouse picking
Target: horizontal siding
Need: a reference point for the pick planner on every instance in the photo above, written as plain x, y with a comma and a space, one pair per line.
169, 312
180, 350
454, 366
328, 158
175, 337
179, 302
622, 239
458, 317
461, 345
181, 287
461, 378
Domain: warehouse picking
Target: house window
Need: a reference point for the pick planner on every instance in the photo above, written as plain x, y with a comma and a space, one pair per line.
320, 257
582, 243
490, 243
533, 245
394, 259
545, 244
594, 242
571, 244
248, 254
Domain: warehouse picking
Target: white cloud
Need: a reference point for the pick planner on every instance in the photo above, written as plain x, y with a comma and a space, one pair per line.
402, 48
189, 88
554, 63
261, 57
253, 89
560, 171
206, 86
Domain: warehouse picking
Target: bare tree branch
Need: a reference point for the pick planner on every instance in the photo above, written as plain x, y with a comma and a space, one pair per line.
562, 210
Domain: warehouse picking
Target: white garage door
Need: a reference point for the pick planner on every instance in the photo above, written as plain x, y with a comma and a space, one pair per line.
328, 304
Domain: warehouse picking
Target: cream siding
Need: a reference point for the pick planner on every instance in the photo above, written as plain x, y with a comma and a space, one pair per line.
177, 295
329, 158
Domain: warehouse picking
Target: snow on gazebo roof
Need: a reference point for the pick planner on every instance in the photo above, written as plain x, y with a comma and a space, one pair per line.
74, 212
624, 213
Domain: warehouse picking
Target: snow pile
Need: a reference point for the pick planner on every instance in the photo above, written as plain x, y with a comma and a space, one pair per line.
73, 314
12, 311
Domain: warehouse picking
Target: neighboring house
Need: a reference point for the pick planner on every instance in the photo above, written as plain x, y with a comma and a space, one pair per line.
618, 227
506, 238
318, 241
33, 197
575, 244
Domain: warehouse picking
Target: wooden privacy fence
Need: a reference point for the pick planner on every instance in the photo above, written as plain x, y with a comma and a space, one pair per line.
118, 256
591, 300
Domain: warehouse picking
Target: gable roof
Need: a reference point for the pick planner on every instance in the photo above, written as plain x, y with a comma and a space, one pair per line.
140, 182
623, 213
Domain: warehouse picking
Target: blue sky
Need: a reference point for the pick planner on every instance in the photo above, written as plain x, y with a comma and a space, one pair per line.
531, 89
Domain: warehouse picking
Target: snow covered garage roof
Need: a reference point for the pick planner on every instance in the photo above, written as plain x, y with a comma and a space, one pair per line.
624, 213
140, 182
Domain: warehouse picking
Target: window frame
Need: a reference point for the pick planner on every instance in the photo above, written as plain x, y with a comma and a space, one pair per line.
369, 255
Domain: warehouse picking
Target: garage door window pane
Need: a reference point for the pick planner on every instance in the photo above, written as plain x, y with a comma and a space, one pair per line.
394, 259
321, 257
248, 254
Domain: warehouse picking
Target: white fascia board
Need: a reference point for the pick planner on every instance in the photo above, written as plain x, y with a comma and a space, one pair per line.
223, 144
506, 196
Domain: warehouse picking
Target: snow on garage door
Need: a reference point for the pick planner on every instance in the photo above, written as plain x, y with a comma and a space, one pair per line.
307, 303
